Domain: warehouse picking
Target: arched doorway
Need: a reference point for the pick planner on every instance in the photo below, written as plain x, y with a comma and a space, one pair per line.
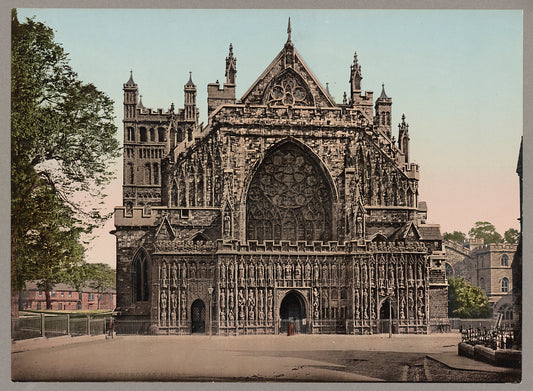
292, 309
198, 317
290, 197
386, 317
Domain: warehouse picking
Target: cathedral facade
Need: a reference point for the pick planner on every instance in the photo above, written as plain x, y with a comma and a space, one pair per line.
286, 207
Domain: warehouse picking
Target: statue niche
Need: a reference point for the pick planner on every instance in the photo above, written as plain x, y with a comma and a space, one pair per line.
289, 198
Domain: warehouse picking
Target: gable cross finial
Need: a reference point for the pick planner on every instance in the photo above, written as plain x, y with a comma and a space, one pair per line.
289, 31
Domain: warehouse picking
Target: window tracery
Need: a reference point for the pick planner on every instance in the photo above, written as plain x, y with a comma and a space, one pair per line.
289, 199
288, 91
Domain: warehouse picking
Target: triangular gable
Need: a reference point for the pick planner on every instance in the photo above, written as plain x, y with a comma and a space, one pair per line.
412, 232
288, 66
165, 231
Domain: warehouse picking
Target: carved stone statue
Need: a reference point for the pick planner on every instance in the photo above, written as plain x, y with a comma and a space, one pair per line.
307, 274
231, 271
288, 271
298, 271
163, 271
316, 272
222, 272
174, 273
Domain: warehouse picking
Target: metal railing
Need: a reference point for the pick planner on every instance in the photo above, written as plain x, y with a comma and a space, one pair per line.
503, 337
54, 325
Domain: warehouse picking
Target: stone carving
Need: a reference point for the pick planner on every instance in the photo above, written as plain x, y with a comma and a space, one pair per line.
288, 270
278, 271
270, 273
402, 308
163, 271
174, 273
357, 304
316, 303
163, 308
343, 273
223, 272
222, 298
325, 271
307, 272
261, 272
316, 271
298, 271
231, 299
391, 275
356, 275
241, 303
231, 272
241, 273
251, 272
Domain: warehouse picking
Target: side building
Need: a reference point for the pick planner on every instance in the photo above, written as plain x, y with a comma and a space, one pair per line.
487, 266
287, 206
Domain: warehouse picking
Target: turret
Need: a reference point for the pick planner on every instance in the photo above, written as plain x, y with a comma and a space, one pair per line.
190, 100
217, 96
355, 78
357, 99
130, 97
403, 139
231, 66
382, 119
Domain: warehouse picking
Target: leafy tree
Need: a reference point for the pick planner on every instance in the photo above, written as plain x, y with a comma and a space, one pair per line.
100, 277
55, 240
62, 143
466, 300
511, 236
455, 236
486, 231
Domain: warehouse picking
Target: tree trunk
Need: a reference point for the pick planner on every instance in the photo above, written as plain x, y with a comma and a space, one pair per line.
48, 299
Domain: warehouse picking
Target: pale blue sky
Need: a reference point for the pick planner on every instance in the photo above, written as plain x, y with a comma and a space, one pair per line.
457, 76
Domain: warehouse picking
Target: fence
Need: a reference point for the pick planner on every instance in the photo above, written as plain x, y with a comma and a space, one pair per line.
503, 337
51, 325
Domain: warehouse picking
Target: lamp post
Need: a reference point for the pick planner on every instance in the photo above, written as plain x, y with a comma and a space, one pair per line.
210, 291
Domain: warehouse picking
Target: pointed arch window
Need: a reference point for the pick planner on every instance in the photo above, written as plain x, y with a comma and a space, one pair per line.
144, 137
156, 174
141, 282
161, 135
152, 134
505, 260
505, 284
289, 198
147, 174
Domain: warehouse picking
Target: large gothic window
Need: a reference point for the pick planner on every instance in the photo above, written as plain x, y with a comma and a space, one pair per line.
289, 199
140, 270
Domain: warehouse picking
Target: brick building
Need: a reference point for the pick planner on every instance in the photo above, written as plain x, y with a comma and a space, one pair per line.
65, 297
286, 205
487, 266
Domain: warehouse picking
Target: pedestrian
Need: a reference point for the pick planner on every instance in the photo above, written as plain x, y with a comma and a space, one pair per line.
290, 329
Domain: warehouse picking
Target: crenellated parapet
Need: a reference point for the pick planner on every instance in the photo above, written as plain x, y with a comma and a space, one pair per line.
356, 246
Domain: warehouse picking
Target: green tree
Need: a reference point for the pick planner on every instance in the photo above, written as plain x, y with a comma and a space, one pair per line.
455, 236
62, 144
486, 231
101, 277
511, 236
466, 300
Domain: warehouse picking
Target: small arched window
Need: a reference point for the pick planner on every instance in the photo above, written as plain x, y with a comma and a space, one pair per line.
152, 134
140, 270
505, 284
189, 134
156, 174
144, 134
131, 134
161, 135
505, 260
449, 271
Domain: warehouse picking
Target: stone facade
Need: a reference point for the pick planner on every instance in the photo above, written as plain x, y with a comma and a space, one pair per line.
285, 206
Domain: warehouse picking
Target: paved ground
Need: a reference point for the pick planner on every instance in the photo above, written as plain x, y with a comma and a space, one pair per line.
424, 358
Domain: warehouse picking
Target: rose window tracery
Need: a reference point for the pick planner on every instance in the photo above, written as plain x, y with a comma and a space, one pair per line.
289, 199
288, 91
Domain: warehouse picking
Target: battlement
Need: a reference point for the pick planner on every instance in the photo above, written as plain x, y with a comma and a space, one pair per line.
146, 112
412, 170
332, 247
490, 247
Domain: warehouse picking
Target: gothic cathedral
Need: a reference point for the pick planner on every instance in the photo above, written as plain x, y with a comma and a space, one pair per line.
287, 207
